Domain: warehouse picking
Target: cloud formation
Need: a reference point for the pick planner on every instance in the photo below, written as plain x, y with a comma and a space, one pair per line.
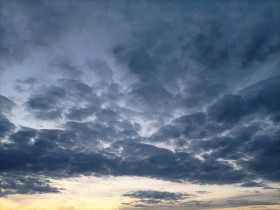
175, 91
149, 197
15, 184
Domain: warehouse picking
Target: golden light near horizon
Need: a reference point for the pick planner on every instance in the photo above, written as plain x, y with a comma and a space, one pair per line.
106, 193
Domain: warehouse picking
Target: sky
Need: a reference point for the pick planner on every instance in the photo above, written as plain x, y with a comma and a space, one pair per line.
139, 105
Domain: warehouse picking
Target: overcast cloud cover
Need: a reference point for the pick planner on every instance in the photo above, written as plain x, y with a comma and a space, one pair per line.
172, 90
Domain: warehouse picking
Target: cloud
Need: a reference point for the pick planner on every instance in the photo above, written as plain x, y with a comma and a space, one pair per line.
200, 62
6, 126
145, 198
126, 156
162, 199
264, 152
47, 104
50, 151
50, 102
253, 184
17, 184
6, 105
34, 27
228, 109
227, 203
259, 98
160, 195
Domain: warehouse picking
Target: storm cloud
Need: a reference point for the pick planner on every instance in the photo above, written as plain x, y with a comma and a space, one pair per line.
175, 91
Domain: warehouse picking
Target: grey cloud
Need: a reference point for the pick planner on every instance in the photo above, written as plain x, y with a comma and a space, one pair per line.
92, 131
264, 42
161, 163
35, 26
24, 85
193, 126
253, 184
6, 127
257, 154
228, 109
263, 96
54, 101
264, 151
107, 115
160, 195
133, 151
238, 203
23, 136
24, 184
81, 113
29, 81
228, 203
47, 104
64, 67
142, 199
51, 97
6, 105
145, 198
217, 131
101, 71
260, 98
202, 192
52, 151
197, 125
205, 56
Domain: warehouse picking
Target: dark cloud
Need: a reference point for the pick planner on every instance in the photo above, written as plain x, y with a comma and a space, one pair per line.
197, 63
51, 151
193, 126
217, 131
93, 132
149, 160
264, 151
160, 195
263, 96
48, 100
228, 109
159, 199
17, 184
253, 184
71, 97
6, 126
23, 136
48, 104
145, 198
36, 26
264, 41
260, 98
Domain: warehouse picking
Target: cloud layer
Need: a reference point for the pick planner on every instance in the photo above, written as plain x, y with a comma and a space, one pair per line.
179, 91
